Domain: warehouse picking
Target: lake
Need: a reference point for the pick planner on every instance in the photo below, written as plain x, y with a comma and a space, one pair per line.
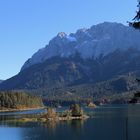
117, 122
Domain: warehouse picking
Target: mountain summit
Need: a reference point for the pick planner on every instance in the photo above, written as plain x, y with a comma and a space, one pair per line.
98, 41
97, 61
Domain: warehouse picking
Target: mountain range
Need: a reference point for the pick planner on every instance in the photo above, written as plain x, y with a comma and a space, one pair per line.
101, 60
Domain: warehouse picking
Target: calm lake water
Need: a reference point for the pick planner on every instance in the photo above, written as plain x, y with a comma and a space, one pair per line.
119, 122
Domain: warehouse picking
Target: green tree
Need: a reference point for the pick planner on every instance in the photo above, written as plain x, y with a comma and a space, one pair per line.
76, 110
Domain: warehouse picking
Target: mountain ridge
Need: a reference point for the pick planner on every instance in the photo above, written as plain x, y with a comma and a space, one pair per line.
116, 50
99, 40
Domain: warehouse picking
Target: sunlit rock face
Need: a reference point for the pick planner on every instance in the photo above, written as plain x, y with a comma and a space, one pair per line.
98, 41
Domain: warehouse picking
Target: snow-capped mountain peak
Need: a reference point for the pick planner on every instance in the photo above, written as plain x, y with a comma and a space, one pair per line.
62, 35
99, 40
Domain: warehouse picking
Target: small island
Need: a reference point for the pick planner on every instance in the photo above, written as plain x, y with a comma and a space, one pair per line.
91, 105
75, 112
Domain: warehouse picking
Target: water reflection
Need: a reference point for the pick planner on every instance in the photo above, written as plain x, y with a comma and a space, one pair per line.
10, 133
133, 123
119, 123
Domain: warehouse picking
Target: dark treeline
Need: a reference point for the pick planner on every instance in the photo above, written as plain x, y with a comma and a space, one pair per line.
18, 100
55, 102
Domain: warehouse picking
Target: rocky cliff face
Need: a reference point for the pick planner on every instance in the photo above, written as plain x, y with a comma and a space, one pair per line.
98, 41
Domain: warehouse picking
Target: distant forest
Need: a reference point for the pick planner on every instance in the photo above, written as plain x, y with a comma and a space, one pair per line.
19, 100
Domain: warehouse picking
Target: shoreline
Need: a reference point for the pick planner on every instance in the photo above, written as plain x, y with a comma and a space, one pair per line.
57, 119
16, 110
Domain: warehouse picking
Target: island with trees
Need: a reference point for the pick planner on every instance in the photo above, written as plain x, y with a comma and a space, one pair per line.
75, 112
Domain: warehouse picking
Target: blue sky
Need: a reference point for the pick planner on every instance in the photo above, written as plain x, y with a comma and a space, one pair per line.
28, 25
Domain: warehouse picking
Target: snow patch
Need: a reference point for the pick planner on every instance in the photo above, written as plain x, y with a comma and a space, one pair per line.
71, 39
99, 40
